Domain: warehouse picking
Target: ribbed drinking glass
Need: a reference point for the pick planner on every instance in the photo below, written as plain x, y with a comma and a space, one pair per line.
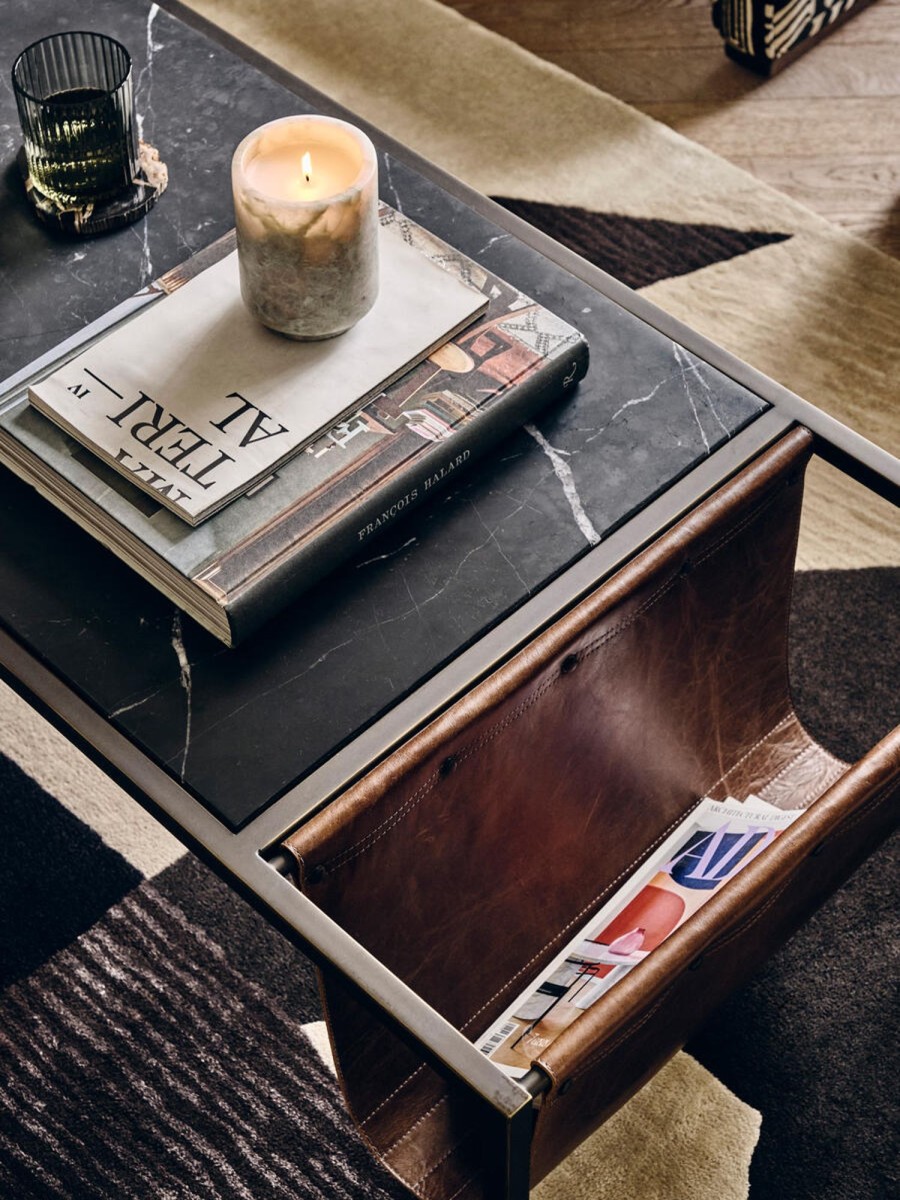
74, 95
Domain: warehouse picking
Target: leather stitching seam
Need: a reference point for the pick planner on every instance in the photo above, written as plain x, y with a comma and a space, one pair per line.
863, 811
832, 777
879, 797
425, 1115
591, 904
399, 1088
429, 785
628, 1032
645, 852
623, 1036
793, 761
756, 745
434, 1166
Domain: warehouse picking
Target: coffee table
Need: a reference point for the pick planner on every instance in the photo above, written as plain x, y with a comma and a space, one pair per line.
232, 749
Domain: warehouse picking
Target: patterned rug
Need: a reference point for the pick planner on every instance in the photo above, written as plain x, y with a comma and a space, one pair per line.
140, 1059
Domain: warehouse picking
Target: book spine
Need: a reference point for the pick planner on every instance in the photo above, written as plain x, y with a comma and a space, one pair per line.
356, 529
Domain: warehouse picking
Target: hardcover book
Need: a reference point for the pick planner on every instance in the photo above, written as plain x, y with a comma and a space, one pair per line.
327, 502
196, 401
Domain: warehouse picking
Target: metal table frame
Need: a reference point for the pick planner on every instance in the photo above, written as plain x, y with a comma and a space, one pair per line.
250, 860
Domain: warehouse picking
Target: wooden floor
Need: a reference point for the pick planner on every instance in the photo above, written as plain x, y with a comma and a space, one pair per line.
825, 131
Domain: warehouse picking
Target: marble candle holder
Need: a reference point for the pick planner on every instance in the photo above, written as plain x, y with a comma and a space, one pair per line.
305, 203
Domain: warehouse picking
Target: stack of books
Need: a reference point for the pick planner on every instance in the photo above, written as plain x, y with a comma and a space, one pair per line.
233, 467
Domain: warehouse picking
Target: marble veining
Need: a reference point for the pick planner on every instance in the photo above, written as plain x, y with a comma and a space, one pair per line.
143, 107
388, 192
186, 681
563, 473
239, 726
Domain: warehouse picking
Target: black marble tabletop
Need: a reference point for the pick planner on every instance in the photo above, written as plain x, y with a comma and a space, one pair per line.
238, 727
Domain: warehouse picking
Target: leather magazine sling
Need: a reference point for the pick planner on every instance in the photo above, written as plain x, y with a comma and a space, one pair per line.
466, 859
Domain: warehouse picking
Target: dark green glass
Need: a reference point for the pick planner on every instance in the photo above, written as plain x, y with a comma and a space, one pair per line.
74, 95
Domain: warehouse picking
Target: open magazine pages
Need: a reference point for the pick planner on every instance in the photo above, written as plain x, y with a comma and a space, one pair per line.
714, 842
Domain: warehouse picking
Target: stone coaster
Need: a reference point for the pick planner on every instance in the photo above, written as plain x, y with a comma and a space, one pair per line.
132, 203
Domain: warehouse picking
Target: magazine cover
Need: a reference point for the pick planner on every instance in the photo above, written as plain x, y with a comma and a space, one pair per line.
194, 400
707, 850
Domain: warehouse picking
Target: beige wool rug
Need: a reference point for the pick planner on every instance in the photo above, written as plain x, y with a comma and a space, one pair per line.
818, 311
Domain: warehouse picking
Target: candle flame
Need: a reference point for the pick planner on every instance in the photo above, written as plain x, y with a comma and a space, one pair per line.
306, 166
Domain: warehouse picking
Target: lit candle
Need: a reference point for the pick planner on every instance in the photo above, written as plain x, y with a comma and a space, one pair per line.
305, 207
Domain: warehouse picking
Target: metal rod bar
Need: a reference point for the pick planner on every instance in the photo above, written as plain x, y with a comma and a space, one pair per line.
536, 1081
280, 861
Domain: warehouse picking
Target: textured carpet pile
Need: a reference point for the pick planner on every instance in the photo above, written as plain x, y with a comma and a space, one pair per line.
141, 1059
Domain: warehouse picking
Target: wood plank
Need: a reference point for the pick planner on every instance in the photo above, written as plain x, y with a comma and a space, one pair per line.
863, 177
794, 127
642, 77
557, 25
839, 69
848, 190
